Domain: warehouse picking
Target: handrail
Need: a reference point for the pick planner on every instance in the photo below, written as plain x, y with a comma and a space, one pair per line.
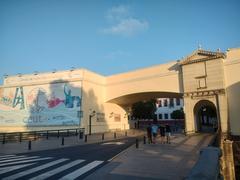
26, 135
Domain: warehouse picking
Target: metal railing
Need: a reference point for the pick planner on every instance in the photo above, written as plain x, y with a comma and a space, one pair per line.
35, 135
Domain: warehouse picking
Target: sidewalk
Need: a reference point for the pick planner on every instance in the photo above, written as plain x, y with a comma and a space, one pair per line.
54, 142
155, 161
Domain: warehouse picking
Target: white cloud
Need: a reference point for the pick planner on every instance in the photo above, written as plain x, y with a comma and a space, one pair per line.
122, 23
127, 27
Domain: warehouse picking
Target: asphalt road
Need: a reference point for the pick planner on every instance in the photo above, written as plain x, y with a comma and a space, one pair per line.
68, 163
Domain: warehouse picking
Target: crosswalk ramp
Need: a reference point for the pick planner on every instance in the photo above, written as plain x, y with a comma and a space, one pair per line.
40, 168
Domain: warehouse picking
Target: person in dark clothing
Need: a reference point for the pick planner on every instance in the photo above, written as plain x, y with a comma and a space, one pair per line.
162, 133
168, 132
149, 133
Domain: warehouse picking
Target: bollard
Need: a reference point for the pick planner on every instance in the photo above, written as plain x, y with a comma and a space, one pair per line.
47, 135
20, 137
115, 135
29, 145
62, 141
125, 133
35, 136
80, 135
76, 133
58, 134
144, 139
3, 140
85, 138
103, 136
137, 144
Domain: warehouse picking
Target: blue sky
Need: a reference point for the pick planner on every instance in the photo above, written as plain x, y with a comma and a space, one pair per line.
110, 37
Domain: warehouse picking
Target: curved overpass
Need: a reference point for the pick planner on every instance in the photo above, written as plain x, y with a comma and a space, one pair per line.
153, 82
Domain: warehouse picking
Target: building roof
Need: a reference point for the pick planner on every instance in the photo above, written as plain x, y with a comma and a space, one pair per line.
201, 55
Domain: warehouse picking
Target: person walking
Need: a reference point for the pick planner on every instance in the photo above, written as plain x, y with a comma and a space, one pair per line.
162, 133
149, 133
154, 132
168, 132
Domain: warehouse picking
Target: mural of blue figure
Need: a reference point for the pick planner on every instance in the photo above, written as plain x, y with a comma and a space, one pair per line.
69, 99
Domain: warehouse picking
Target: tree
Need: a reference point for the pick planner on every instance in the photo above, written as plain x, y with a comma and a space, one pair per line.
178, 114
144, 110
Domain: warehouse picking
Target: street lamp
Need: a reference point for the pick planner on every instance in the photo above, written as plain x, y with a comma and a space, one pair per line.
91, 114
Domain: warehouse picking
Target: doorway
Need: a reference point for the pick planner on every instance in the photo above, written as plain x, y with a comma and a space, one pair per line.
205, 117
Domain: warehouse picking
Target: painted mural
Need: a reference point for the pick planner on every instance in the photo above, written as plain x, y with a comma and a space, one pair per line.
44, 105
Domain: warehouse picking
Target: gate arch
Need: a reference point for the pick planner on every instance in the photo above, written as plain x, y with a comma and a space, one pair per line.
205, 116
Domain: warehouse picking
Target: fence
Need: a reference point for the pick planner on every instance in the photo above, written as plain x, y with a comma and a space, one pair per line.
34, 135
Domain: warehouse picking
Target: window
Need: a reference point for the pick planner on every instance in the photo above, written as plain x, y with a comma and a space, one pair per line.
165, 116
159, 103
165, 102
159, 116
117, 117
100, 117
201, 83
178, 101
171, 103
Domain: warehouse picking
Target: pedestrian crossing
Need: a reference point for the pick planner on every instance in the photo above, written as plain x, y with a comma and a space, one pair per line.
40, 168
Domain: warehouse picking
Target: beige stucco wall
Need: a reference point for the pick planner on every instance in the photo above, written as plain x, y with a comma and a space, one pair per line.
98, 91
213, 72
94, 94
232, 84
152, 79
92, 86
190, 116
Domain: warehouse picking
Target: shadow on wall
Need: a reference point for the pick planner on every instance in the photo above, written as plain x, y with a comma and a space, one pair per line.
177, 67
233, 94
59, 105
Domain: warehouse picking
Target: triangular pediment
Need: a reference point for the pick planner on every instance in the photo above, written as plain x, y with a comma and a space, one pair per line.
201, 55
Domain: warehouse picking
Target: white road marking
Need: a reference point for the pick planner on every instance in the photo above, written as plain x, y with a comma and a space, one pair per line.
12, 168
11, 157
30, 171
116, 143
57, 170
18, 158
81, 171
30, 160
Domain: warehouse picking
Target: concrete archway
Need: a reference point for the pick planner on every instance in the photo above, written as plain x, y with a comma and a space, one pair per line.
205, 116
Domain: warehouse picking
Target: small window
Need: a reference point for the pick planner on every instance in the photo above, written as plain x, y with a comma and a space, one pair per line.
201, 83
159, 103
165, 116
100, 117
165, 102
117, 117
178, 101
159, 116
171, 103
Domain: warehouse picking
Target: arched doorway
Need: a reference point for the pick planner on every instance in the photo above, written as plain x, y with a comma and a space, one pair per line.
205, 115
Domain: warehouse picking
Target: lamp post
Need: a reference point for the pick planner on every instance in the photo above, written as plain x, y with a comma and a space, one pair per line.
92, 113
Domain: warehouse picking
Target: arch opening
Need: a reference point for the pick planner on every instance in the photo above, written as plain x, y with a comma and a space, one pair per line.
205, 115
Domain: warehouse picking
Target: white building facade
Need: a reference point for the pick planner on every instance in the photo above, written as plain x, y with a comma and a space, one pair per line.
165, 107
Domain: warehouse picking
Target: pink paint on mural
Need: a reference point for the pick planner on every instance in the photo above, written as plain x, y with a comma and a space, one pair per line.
54, 102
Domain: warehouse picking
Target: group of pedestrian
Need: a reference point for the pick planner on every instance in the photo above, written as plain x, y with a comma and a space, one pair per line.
163, 130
